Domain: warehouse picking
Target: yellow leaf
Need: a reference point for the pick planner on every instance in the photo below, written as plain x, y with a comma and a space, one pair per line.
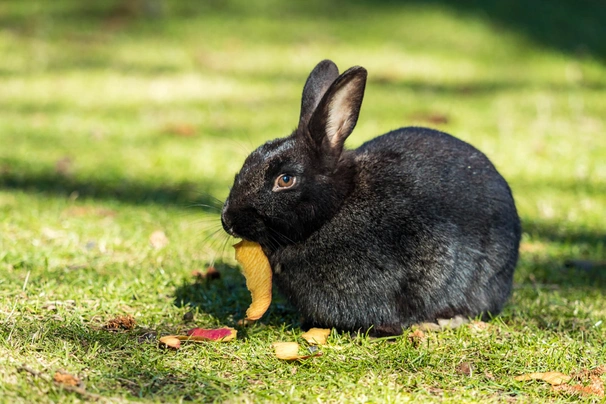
316, 336
257, 271
553, 378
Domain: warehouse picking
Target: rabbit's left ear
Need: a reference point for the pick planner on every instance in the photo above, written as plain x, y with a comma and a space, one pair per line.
337, 113
319, 80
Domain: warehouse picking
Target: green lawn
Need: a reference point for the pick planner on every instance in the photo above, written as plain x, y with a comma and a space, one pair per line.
118, 119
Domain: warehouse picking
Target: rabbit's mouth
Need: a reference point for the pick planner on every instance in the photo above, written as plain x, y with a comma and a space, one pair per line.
229, 229
242, 223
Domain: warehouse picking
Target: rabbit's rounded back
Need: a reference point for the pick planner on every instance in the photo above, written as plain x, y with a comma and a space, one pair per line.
412, 226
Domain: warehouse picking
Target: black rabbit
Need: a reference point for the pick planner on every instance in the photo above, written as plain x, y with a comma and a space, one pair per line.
412, 226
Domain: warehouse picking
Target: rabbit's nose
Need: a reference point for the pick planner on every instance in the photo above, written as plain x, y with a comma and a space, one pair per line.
225, 222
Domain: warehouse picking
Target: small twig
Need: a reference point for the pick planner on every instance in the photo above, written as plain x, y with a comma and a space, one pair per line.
25, 368
74, 389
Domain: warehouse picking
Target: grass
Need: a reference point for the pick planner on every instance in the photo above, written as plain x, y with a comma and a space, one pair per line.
116, 121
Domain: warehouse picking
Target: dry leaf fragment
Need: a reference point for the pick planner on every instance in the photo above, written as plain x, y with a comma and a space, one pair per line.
219, 334
170, 341
464, 368
158, 239
65, 378
290, 351
120, 323
316, 336
553, 378
257, 271
595, 387
416, 337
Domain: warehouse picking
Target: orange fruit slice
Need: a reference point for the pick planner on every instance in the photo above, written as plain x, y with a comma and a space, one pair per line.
257, 271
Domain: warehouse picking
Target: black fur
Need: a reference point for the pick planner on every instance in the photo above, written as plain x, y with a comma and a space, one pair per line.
412, 226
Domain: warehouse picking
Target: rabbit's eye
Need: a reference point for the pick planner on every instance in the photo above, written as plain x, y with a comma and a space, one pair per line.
284, 181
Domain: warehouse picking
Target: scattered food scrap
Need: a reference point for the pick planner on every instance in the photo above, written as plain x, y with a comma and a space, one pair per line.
224, 334
316, 336
290, 351
170, 341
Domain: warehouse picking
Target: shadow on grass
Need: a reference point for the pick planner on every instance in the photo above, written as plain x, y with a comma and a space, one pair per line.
181, 195
570, 272
227, 299
572, 26
126, 363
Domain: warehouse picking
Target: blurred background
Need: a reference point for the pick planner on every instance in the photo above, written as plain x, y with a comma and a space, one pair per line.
123, 122
121, 117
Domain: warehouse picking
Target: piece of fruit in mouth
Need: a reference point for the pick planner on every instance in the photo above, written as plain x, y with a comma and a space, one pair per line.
257, 271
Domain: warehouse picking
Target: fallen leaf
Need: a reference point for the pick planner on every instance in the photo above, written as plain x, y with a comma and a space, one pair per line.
553, 378
595, 387
170, 341
219, 334
585, 373
416, 337
316, 336
120, 323
464, 368
290, 351
257, 271
224, 334
158, 239
66, 379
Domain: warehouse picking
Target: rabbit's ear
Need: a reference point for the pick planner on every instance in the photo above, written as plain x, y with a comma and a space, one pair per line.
337, 113
320, 78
